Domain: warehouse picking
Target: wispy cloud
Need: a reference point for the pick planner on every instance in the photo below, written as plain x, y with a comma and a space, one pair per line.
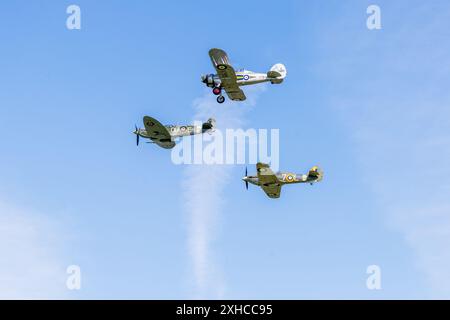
398, 112
406, 164
203, 196
31, 266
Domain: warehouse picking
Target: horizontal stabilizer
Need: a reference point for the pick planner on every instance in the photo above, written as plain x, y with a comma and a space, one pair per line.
277, 73
273, 74
315, 174
209, 125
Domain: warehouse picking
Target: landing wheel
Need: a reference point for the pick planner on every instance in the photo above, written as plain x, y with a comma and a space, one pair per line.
220, 99
217, 91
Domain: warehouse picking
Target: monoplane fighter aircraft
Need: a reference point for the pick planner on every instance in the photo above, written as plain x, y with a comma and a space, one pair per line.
164, 136
230, 80
271, 183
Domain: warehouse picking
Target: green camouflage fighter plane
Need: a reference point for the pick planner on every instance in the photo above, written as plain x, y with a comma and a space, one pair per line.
271, 183
164, 136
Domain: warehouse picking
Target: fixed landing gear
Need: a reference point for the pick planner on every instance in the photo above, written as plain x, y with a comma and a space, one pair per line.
220, 99
217, 91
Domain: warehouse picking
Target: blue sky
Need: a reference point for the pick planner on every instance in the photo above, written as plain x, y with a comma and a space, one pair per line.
371, 107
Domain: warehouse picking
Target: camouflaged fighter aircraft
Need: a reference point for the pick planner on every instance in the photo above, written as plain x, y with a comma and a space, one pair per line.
164, 136
230, 80
271, 183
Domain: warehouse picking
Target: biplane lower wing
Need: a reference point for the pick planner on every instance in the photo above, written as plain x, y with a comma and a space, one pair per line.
235, 93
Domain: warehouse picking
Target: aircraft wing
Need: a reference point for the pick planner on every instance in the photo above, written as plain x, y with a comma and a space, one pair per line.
158, 133
218, 57
265, 174
272, 191
226, 74
165, 145
268, 180
155, 130
235, 93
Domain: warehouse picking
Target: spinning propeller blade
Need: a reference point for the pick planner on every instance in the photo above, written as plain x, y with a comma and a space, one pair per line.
246, 182
137, 135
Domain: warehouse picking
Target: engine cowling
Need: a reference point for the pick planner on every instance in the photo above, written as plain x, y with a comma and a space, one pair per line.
208, 79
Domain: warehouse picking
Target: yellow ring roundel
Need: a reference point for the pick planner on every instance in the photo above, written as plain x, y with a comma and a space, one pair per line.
289, 177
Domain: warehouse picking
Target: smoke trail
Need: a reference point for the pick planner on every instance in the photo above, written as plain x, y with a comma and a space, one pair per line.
203, 196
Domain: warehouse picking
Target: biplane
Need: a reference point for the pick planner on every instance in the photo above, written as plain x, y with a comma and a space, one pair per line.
231, 80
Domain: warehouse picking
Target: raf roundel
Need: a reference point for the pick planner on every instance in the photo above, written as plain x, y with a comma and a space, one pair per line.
289, 178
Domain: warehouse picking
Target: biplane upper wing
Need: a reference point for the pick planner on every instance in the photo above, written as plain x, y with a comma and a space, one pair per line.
268, 180
226, 74
158, 133
218, 57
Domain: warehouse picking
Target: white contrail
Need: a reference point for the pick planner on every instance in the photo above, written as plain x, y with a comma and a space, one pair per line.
203, 196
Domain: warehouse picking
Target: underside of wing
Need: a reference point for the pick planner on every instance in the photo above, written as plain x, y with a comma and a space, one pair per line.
165, 144
265, 174
235, 93
218, 57
226, 74
155, 130
272, 191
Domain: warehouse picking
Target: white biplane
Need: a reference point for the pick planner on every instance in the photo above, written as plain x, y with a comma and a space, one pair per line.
230, 80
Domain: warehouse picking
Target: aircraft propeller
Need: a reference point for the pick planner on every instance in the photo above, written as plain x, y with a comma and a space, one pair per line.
136, 132
246, 182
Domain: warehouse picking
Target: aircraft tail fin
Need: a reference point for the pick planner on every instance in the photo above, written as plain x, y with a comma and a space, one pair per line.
278, 72
209, 125
316, 174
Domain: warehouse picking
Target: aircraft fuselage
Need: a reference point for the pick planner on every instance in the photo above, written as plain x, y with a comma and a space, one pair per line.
244, 78
283, 178
176, 131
